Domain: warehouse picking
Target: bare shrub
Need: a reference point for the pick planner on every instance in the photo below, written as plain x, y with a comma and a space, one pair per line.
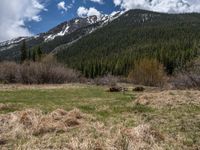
47, 71
189, 77
106, 80
31, 73
40, 73
9, 72
59, 74
148, 72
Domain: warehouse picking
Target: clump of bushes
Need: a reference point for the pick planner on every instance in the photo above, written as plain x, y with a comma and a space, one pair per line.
148, 72
189, 77
47, 71
109, 80
9, 72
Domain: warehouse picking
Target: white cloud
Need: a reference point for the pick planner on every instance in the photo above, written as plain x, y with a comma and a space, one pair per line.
170, 6
36, 18
97, 1
84, 12
62, 6
117, 2
13, 15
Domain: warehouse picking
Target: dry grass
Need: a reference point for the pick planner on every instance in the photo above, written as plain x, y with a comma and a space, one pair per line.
35, 130
170, 98
152, 119
5, 106
33, 122
13, 87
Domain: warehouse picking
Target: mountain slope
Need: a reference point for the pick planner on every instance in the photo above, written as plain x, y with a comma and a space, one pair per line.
64, 33
171, 38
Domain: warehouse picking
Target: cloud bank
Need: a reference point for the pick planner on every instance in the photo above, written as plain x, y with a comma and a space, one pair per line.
168, 6
14, 13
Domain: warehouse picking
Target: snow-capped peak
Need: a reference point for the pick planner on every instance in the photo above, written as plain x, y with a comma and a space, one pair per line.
61, 33
71, 26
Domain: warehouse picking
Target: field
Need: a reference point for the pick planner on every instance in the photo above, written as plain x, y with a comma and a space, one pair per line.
79, 116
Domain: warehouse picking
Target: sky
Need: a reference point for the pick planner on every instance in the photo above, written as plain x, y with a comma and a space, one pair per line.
30, 17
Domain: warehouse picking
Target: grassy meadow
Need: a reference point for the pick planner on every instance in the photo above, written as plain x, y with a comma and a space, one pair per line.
173, 115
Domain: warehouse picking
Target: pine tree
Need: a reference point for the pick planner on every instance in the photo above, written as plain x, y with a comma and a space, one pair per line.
34, 55
39, 53
23, 51
29, 54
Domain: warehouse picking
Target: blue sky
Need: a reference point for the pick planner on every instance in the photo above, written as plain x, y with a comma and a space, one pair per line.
29, 17
55, 16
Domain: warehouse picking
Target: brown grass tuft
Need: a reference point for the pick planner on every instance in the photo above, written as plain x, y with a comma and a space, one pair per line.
6, 106
170, 98
39, 130
34, 122
140, 137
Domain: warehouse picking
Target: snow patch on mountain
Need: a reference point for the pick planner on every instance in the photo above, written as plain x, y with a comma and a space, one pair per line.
76, 21
13, 41
61, 33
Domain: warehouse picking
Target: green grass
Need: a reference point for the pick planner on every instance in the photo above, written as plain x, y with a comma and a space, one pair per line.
89, 99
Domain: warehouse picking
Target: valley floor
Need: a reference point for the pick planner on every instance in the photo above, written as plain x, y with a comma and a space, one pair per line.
78, 116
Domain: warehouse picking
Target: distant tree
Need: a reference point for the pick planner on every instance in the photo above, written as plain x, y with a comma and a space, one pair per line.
148, 72
29, 54
39, 53
23, 51
34, 55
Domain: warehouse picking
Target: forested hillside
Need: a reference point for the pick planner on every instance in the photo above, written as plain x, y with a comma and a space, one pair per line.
64, 33
171, 38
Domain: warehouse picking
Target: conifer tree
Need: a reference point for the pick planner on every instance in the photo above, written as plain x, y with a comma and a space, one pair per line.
34, 55
23, 51
39, 53
29, 54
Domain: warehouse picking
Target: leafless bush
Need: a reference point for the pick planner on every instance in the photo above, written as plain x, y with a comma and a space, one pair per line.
189, 77
46, 71
106, 80
30, 73
40, 73
148, 72
9, 72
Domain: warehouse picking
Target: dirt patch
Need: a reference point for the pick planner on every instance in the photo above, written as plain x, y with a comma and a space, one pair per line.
169, 98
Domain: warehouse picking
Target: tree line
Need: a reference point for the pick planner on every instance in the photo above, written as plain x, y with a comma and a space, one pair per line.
30, 54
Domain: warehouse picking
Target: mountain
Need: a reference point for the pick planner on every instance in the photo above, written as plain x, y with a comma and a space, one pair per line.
173, 39
64, 33
114, 43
